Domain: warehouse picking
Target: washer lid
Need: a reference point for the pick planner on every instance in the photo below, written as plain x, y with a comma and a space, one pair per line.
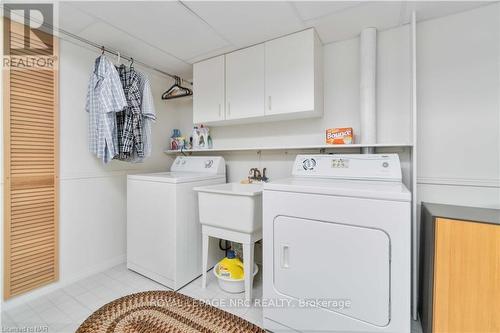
175, 177
396, 191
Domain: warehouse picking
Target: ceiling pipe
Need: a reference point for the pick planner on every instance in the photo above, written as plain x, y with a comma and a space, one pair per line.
368, 90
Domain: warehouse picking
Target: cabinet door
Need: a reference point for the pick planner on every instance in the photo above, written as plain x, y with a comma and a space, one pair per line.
290, 73
245, 93
466, 277
208, 98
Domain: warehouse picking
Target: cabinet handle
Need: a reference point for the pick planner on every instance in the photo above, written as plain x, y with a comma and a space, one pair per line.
228, 109
220, 111
269, 102
285, 256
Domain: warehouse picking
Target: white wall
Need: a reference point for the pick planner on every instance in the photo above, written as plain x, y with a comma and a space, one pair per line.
459, 108
92, 195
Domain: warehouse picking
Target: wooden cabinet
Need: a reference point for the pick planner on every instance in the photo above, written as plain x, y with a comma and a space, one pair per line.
460, 271
245, 83
209, 90
294, 80
275, 80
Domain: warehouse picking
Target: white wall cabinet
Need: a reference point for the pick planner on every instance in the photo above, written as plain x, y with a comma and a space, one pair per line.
209, 90
294, 80
245, 83
276, 80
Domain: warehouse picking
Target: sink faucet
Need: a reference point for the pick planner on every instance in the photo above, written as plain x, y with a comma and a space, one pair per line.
255, 175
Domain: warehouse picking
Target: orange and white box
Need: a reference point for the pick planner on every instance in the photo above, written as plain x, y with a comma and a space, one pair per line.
339, 136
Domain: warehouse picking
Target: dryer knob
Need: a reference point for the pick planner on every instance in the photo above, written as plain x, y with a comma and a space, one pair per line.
309, 164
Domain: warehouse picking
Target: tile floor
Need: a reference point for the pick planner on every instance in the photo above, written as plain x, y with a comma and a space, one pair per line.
65, 309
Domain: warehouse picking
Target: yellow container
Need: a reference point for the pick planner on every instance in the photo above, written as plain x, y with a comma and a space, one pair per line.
231, 267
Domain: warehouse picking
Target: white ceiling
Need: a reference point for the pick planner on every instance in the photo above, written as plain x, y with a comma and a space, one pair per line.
171, 35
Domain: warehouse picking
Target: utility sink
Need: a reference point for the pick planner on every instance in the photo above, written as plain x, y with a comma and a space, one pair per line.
231, 206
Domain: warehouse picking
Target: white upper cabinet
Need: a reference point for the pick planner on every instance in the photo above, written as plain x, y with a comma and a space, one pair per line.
278, 79
209, 90
294, 74
245, 84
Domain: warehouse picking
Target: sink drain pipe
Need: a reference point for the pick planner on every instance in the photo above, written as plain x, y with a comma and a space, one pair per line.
368, 91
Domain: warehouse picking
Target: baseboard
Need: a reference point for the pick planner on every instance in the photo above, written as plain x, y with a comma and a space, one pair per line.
65, 281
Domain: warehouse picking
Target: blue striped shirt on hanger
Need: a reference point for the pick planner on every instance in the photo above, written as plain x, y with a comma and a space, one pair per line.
105, 97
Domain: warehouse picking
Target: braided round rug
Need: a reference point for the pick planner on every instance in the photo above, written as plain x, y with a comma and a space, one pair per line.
162, 312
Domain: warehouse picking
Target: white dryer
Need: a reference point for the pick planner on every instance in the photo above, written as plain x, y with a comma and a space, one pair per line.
337, 246
163, 229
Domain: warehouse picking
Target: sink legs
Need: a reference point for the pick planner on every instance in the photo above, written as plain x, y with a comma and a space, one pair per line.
204, 259
248, 242
248, 249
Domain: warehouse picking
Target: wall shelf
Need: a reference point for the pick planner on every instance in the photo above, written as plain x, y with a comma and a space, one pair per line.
235, 149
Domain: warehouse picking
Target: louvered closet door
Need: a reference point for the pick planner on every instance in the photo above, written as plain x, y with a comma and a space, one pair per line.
31, 169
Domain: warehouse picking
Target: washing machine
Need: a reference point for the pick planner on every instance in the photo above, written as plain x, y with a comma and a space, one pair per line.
337, 246
163, 229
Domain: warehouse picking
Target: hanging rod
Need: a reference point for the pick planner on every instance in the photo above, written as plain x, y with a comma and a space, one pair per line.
116, 53
106, 49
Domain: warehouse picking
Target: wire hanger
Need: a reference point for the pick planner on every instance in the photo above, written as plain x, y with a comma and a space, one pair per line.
102, 49
176, 90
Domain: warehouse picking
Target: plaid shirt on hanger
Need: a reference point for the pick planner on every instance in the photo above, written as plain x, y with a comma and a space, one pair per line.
148, 117
130, 123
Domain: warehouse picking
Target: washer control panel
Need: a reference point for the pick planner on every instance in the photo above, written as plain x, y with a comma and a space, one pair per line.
349, 166
202, 164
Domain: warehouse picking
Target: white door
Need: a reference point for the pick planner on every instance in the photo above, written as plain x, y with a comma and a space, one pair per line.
324, 261
290, 73
208, 95
245, 90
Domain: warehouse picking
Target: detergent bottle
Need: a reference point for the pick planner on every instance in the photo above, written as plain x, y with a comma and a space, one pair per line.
231, 267
196, 138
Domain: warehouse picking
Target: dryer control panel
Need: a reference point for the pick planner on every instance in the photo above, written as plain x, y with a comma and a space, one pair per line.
215, 165
385, 167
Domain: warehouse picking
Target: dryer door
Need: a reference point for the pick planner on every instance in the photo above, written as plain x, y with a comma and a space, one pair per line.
339, 268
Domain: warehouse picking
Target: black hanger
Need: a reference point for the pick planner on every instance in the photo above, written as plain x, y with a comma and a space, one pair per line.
103, 49
131, 63
176, 90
